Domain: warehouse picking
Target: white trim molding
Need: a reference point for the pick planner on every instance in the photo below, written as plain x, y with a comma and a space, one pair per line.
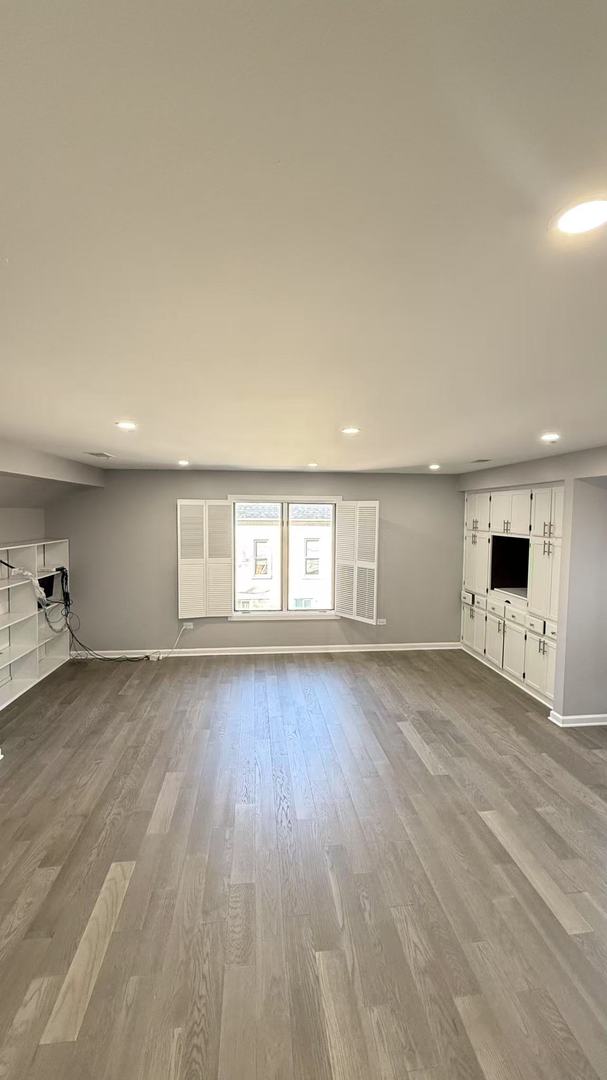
269, 650
583, 720
302, 615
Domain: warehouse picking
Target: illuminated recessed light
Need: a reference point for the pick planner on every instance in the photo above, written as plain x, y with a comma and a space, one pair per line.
550, 436
583, 217
312, 464
126, 425
434, 467
350, 431
183, 462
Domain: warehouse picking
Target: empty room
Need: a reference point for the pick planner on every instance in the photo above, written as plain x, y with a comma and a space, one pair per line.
303, 540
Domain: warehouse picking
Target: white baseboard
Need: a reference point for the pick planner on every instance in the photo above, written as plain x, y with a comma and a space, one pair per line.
584, 720
269, 650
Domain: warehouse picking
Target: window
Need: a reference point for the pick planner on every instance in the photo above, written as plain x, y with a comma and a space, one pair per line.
296, 536
257, 556
262, 558
277, 555
311, 527
312, 556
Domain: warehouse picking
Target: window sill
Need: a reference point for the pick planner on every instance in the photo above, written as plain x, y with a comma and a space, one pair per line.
281, 616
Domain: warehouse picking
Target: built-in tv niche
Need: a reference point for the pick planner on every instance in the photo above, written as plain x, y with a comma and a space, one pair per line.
510, 564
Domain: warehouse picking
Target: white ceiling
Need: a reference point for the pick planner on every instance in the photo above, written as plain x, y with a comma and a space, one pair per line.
248, 225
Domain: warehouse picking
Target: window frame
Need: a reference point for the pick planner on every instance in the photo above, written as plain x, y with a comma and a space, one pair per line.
285, 613
260, 558
312, 558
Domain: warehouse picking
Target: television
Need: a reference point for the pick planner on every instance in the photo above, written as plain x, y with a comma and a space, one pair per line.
510, 564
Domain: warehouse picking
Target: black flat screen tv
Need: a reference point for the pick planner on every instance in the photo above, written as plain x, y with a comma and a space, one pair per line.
509, 563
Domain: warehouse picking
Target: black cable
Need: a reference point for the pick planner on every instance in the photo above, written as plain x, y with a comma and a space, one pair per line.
68, 615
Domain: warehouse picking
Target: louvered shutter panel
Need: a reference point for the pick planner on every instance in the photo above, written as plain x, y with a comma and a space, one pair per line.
356, 539
345, 561
220, 558
367, 522
191, 563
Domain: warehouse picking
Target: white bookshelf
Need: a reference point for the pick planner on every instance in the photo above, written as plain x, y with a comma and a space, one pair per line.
29, 649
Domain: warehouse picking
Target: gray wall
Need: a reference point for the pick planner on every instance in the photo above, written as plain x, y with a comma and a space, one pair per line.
21, 524
584, 674
123, 558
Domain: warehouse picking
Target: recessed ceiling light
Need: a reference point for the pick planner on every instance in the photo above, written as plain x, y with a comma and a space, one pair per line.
434, 467
312, 464
550, 436
126, 425
183, 462
583, 217
350, 431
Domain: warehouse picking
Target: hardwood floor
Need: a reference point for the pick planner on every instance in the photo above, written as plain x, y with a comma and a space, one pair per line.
311, 868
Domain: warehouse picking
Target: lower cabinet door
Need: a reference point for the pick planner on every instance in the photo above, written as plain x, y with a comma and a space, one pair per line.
514, 649
494, 639
468, 625
536, 663
478, 642
550, 657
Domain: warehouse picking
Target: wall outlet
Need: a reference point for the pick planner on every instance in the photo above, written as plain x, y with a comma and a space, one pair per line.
187, 626
381, 622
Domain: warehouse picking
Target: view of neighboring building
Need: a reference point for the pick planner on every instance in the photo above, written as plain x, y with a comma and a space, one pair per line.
306, 555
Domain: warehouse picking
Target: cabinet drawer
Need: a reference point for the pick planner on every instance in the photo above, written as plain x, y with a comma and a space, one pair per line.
467, 597
480, 601
515, 615
497, 609
535, 624
551, 630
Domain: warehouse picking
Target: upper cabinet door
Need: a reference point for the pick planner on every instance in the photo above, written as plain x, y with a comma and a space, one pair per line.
541, 515
520, 514
555, 580
477, 511
540, 574
481, 564
469, 560
501, 510
556, 518
483, 511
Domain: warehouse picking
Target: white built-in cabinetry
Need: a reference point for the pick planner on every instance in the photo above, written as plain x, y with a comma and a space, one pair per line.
514, 631
30, 648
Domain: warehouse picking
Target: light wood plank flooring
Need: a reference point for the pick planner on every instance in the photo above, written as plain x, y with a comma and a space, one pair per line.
338, 867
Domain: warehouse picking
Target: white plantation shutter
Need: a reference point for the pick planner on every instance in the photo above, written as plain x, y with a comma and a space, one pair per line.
345, 558
356, 540
367, 521
191, 584
220, 558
